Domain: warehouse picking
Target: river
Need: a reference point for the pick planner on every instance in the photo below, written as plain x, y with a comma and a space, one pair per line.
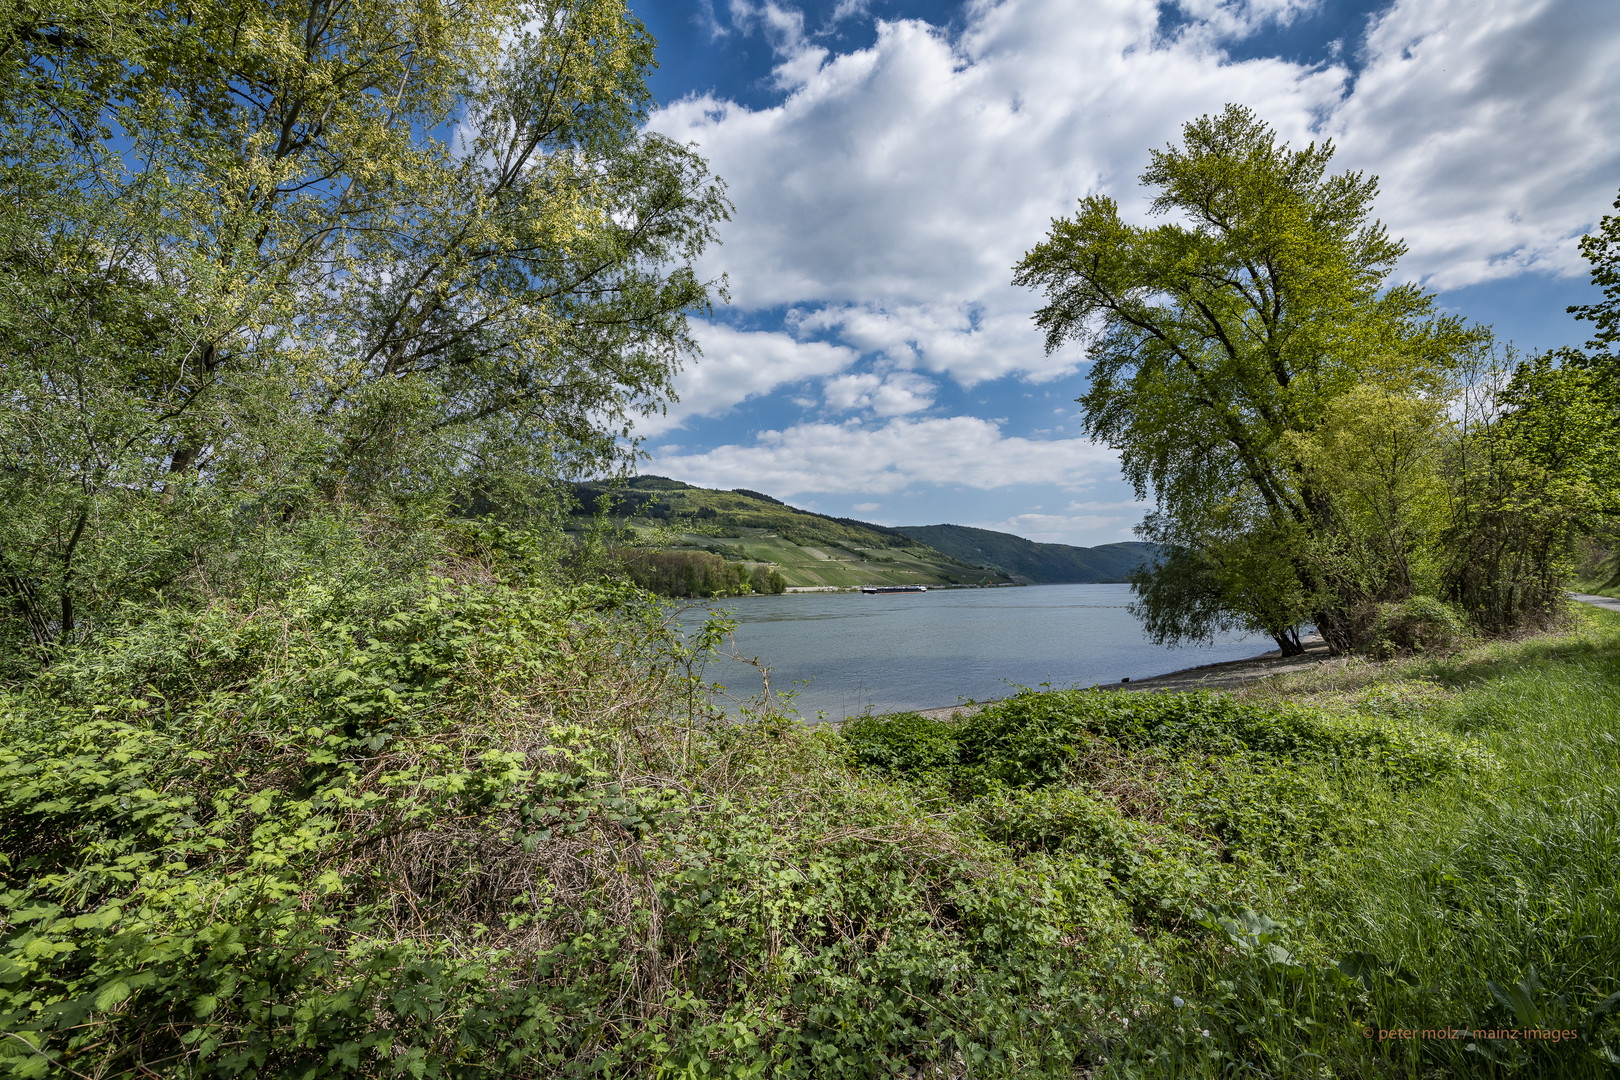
846, 653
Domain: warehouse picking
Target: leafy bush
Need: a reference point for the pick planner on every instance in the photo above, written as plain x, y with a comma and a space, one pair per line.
1417, 624
1036, 739
903, 745
495, 831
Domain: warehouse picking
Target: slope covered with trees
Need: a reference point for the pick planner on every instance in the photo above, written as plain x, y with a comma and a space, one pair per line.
665, 520
1033, 562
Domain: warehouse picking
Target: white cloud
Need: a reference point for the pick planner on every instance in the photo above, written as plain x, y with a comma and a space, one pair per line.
961, 340
847, 459
737, 365
1493, 126
886, 395
898, 184
888, 195
1086, 523
1082, 530
1214, 21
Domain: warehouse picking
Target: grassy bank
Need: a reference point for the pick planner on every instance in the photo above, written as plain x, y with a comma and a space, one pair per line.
1401, 869
482, 825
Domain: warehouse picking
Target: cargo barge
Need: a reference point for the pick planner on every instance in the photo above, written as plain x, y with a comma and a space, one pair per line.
893, 588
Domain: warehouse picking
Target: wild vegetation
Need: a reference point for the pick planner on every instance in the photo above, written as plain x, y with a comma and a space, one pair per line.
698, 573
1375, 870
477, 823
326, 751
1323, 448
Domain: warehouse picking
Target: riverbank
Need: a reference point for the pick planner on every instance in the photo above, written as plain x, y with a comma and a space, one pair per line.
1224, 675
1231, 674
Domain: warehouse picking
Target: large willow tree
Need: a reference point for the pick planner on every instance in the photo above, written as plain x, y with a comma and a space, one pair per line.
1221, 340
263, 253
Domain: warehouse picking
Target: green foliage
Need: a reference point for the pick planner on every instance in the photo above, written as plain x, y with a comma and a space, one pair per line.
687, 573
1437, 869
903, 745
1225, 348
1602, 251
1532, 470
1036, 739
471, 821
1417, 624
767, 581
243, 273
476, 824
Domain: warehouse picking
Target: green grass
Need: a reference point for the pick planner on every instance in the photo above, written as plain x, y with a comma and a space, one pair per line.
1428, 846
1487, 902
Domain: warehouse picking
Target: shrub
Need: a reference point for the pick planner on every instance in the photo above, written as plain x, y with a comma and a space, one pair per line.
495, 831
1416, 624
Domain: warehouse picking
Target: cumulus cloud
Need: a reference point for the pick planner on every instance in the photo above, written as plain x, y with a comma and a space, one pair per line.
893, 187
739, 364
850, 459
1214, 21
1493, 127
896, 185
885, 395
962, 341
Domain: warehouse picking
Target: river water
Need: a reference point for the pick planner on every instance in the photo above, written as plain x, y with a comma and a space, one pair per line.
845, 653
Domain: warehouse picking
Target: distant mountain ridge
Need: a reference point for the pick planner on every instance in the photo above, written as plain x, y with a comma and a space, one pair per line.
740, 526
1027, 560
819, 550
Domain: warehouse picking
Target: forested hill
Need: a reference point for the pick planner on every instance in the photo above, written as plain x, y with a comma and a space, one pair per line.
754, 530
1026, 560
815, 549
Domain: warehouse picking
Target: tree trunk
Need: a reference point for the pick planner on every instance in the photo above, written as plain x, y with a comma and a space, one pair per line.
1288, 642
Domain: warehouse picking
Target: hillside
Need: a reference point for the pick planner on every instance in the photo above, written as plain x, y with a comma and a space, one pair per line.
1026, 560
809, 550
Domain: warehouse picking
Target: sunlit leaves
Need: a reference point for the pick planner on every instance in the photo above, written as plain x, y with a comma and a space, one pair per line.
288, 253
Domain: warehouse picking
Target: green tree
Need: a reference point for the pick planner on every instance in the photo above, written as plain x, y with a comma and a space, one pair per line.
1602, 249
255, 253
1220, 338
1535, 470
1601, 360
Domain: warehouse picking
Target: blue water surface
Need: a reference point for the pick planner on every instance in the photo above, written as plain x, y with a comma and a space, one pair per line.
845, 653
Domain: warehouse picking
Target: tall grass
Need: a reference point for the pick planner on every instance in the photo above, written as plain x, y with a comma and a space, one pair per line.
1483, 910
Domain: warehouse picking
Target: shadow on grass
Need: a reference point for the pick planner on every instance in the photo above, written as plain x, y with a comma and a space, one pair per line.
1601, 657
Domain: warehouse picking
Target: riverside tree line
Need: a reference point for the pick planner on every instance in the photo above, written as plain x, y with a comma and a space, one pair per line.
1324, 447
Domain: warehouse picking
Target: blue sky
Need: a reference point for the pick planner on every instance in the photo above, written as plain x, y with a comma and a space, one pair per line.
890, 160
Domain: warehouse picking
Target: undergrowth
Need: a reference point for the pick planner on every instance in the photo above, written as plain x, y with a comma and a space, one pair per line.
479, 822
1385, 870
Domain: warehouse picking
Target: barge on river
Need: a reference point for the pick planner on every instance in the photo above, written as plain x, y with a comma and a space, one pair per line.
869, 589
